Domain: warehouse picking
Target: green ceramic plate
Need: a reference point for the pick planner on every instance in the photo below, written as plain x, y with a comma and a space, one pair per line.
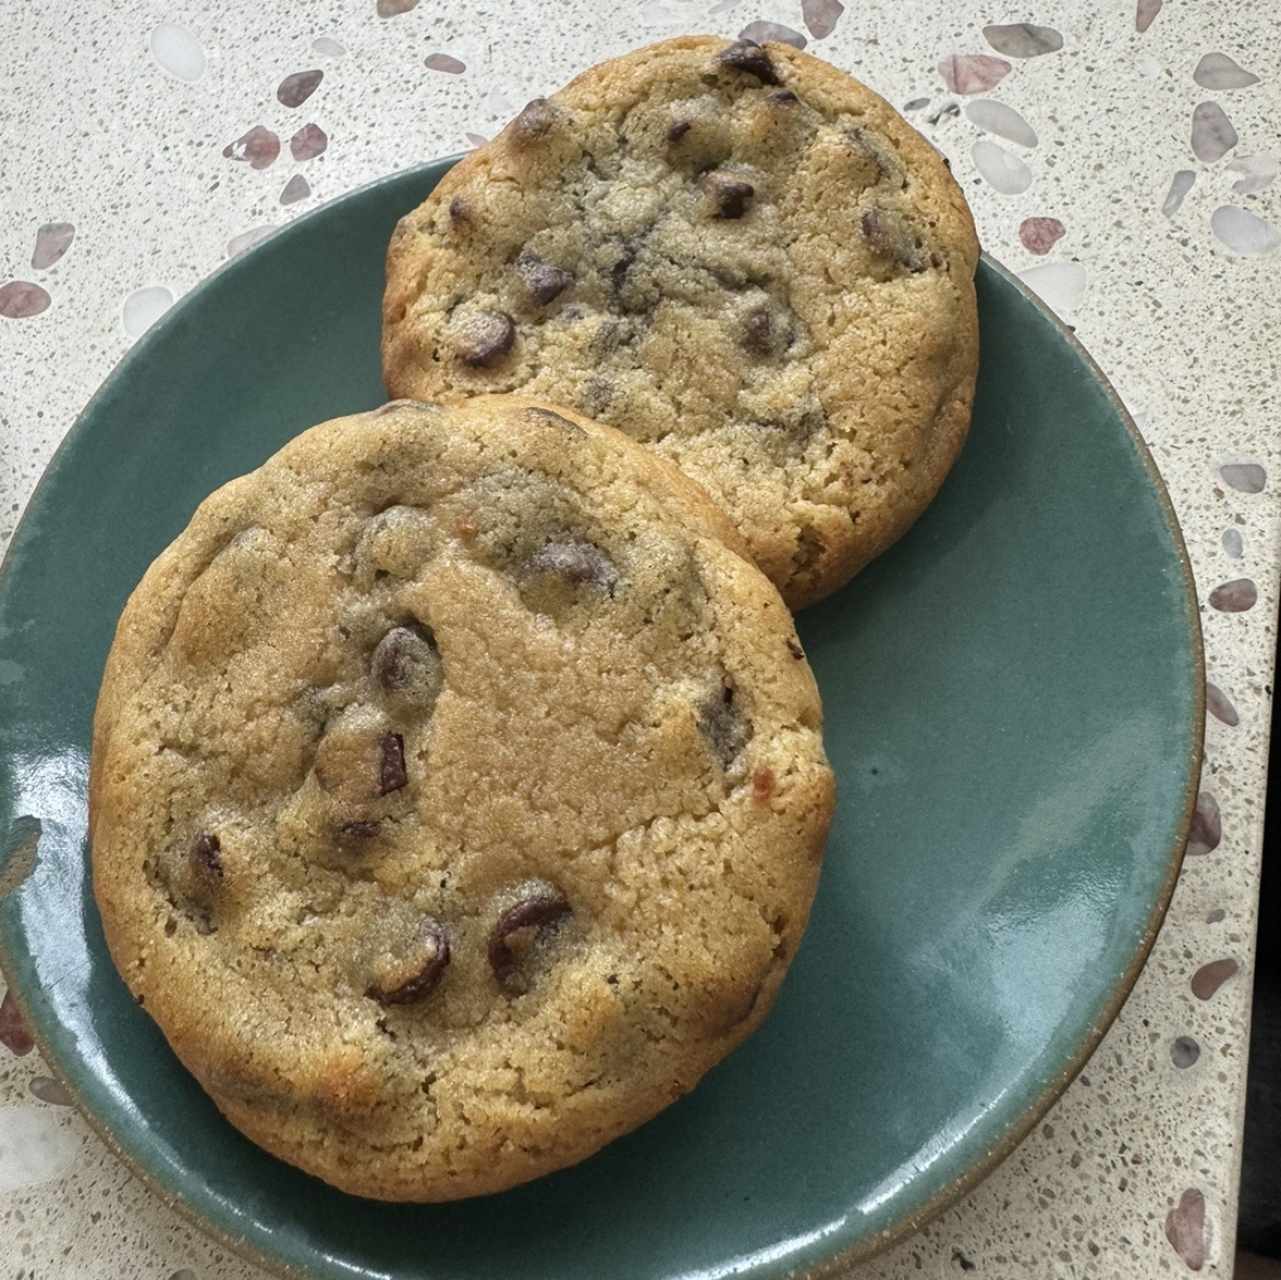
1014, 710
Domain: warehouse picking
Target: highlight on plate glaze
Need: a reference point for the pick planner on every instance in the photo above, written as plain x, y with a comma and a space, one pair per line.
328, 48
52, 241
1023, 39
1040, 235
821, 16
177, 51
144, 307
967, 73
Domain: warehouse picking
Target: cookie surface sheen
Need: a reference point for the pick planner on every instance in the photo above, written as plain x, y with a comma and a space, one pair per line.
457, 795
736, 254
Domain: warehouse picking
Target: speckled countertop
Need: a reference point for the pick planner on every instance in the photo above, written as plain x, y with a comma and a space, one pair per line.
1118, 159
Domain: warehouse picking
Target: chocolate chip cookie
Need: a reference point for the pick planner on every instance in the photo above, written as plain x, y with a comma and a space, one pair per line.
736, 254
458, 795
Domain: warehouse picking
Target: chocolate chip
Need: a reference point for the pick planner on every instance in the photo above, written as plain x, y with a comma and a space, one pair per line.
729, 195
544, 281
459, 210
784, 98
795, 650
747, 55
618, 272
758, 332
887, 167
891, 237
424, 982
536, 118
391, 770
536, 911
484, 337
723, 725
578, 563
206, 854
406, 664
677, 130
353, 832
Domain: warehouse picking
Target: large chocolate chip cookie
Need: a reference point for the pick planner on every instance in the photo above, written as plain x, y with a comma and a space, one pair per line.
736, 254
458, 795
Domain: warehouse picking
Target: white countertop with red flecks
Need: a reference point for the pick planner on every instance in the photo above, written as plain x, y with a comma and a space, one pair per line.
1123, 162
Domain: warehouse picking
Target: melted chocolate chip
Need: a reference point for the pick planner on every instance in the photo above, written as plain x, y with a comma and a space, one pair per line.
459, 210
758, 332
677, 130
354, 832
536, 118
887, 167
891, 237
729, 195
784, 98
538, 911
406, 663
795, 650
206, 854
425, 981
391, 770
618, 272
723, 725
484, 338
748, 56
544, 281
578, 563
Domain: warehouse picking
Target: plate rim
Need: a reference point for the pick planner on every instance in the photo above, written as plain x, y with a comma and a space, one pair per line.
1051, 1091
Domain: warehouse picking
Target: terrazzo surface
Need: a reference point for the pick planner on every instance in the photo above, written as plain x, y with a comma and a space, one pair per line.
1121, 157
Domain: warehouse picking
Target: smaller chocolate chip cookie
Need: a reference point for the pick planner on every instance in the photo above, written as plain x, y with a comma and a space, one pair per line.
458, 795
736, 254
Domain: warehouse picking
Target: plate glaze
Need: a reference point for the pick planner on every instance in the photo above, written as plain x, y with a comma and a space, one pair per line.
1014, 708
